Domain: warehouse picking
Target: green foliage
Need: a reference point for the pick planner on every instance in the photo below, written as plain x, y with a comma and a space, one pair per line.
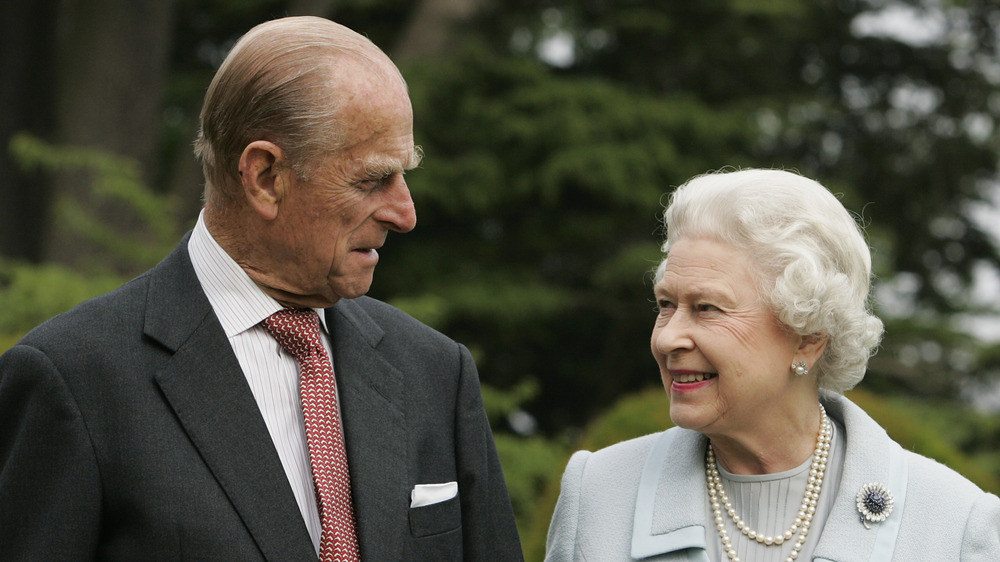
502, 403
528, 464
539, 195
31, 294
113, 181
528, 461
941, 432
927, 359
7, 341
906, 124
500, 301
633, 416
537, 202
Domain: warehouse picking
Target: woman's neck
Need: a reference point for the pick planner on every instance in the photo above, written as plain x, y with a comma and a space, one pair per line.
783, 444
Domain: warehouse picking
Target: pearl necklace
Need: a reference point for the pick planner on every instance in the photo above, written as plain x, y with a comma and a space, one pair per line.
803, 521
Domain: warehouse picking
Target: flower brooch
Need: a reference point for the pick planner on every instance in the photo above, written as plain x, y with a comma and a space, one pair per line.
874, 503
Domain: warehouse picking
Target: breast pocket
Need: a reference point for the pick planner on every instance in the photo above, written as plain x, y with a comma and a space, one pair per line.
436, 518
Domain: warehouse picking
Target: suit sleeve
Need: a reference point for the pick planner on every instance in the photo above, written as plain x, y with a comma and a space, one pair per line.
982, 531
488, 526
49, 482
561, 543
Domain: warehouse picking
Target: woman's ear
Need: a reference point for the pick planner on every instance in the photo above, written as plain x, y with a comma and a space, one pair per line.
810, 348
264, 175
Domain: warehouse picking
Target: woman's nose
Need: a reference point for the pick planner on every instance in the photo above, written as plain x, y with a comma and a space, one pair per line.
674, 334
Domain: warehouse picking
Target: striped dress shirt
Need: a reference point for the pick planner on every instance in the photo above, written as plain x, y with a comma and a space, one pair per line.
273, 374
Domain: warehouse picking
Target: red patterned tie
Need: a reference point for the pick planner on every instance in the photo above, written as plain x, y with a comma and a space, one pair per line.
297, 330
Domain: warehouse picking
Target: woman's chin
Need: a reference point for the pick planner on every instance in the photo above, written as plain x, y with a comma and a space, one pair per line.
697, 415
686, 416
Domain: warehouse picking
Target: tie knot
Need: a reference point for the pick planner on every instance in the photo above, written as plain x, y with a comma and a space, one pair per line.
296, 329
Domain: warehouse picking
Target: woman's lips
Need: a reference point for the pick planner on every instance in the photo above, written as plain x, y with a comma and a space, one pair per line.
690, 376
690, 381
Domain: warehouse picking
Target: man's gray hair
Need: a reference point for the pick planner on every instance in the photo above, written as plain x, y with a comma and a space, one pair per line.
278, 84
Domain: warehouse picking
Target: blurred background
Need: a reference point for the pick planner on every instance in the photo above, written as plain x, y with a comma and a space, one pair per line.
552, 132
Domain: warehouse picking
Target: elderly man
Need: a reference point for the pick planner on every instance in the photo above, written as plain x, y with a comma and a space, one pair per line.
243, 400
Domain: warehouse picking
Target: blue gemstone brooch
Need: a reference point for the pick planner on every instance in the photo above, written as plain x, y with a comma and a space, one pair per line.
874, 503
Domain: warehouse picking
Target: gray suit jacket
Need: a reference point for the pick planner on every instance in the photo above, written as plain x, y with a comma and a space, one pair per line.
645, 499
128, 431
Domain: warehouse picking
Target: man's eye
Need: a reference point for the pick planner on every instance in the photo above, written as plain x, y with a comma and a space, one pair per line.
377, 183
373, 184
707, 308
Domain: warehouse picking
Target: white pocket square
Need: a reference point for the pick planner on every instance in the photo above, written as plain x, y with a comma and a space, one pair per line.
429, 494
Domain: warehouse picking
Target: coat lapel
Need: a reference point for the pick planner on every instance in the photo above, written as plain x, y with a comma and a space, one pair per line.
371, 392
871, 456
673, 476
676, 479
207, 390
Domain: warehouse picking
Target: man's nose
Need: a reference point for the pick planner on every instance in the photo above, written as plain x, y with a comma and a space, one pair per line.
398, 214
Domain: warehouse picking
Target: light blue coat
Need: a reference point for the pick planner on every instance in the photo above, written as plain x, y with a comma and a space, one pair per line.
645, 499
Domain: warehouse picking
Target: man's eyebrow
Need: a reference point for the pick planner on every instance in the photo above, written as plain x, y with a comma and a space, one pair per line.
381, 167
416, 157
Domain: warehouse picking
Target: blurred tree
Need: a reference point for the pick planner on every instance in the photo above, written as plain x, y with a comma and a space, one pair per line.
435, 28
80, 73
26, 45
537, 211
552, 132
550, 145
110, 64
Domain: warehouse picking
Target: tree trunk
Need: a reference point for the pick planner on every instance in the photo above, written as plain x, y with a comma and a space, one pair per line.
322, 8
435, 28
111, 64
26, 64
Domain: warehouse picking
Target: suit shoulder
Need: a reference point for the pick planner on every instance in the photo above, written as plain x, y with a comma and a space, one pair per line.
391, 319
381, 310
93, 316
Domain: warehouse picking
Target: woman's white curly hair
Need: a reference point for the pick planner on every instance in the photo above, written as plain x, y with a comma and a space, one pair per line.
813, 262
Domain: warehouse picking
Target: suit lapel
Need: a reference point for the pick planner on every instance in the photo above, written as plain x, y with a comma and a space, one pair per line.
207, 390
371, 394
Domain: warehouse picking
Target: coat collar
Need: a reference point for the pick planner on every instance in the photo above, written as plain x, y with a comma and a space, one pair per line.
674, 476
204, 384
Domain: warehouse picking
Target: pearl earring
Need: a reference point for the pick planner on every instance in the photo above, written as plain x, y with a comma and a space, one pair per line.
800, 368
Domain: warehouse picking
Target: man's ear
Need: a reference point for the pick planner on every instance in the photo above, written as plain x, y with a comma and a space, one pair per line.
264, 175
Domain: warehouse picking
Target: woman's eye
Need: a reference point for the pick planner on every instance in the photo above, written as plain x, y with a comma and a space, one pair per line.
707, 308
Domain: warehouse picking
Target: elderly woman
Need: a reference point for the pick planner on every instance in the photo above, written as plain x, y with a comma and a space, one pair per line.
763, 324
